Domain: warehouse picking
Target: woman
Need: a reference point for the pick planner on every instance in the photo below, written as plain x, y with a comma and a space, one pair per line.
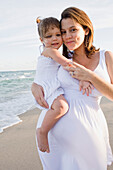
80, 140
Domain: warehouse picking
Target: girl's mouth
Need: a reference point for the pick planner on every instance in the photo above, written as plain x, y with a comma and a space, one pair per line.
55, 44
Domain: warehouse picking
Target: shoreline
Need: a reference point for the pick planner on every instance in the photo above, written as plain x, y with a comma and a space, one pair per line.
19, 119
17, 143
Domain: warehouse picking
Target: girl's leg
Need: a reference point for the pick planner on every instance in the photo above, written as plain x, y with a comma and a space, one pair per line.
58, 109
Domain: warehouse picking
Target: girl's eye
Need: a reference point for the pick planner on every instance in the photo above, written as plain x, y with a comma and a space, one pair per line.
48, 36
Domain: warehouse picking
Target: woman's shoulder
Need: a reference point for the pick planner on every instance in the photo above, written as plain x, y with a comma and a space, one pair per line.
108, 54
109, 57
109, 63
104, 53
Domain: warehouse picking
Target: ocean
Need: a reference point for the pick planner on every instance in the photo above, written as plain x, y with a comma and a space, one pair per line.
15, 96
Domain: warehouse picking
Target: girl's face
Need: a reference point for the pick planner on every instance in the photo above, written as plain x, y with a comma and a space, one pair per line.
52, 38
73, 34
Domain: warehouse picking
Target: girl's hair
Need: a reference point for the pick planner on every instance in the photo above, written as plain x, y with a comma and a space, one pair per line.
82, 18
45, 24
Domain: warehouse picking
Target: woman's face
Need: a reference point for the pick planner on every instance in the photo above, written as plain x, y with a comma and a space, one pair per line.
73, 34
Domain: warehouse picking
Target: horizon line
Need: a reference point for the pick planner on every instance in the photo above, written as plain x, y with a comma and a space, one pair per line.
16, 70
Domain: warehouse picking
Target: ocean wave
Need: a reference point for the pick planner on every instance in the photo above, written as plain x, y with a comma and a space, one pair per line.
9, 110
16, 96
21, 77
9, 122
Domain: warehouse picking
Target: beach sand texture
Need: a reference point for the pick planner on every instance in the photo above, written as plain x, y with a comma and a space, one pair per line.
17, 143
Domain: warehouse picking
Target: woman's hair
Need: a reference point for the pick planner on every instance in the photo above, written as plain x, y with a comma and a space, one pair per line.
82, 18
45, 24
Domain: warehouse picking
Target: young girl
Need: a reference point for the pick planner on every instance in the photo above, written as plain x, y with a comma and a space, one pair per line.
46, 76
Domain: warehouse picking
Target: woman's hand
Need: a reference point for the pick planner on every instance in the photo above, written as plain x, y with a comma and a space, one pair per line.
38, 94
81, 73
78, 71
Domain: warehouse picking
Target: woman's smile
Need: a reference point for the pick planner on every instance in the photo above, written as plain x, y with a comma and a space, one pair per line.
69, 42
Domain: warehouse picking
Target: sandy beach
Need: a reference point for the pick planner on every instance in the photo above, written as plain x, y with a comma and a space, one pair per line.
17, 143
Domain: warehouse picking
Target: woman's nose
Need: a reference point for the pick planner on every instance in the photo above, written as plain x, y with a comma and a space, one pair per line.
68, 35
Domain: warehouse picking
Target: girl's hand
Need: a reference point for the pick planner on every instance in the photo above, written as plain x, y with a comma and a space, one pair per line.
86, 87
38, 94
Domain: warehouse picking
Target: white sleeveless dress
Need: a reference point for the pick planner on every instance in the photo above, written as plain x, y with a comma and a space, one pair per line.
80, 139
46, 76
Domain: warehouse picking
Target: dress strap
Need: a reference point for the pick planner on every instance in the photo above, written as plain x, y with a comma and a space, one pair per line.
103, 65
102, 61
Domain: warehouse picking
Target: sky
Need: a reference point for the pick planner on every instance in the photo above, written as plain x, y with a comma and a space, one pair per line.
19, 41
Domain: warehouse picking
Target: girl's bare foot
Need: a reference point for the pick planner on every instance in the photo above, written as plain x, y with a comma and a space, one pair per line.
42, 138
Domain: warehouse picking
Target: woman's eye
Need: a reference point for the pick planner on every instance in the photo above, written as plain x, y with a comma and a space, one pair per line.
73, 30
58, 35
63, 32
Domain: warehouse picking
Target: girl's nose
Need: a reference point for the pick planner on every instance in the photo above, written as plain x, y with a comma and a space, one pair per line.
54, 37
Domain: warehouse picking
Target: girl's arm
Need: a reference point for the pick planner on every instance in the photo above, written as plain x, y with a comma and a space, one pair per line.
82, 73
56, 55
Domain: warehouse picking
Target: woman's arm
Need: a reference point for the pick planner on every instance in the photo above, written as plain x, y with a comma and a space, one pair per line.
104, 87
109, 63
101, 85
56, 55
38, 94
82, 73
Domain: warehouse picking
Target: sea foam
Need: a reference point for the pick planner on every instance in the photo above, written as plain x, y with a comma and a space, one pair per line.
15, 96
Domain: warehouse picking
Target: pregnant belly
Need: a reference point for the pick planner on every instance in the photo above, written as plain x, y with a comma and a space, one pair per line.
83, 114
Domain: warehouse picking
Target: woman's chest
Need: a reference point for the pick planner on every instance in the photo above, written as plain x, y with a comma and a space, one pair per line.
66, 80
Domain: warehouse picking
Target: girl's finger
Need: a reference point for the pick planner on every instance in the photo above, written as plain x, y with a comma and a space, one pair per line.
91, 86
80, 85
87, 91
83, 92
69, 68
90, 90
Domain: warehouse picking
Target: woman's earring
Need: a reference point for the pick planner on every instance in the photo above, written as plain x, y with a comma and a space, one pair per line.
86, 41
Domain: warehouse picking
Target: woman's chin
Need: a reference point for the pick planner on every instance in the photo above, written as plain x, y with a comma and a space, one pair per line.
71, 49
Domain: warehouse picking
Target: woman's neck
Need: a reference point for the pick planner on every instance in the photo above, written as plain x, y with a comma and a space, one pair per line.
80, 56
90, 63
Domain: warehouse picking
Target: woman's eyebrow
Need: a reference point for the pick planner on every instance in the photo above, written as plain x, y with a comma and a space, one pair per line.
69, 27
72, 26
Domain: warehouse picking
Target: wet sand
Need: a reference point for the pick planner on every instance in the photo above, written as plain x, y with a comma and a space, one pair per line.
17, 143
